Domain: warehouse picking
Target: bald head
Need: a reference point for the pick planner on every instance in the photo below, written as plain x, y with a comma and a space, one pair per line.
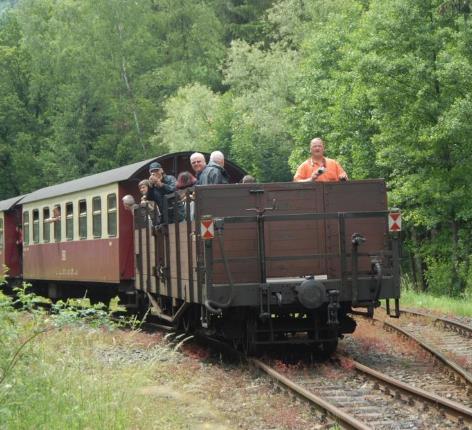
218, 158
197, 160
317, 147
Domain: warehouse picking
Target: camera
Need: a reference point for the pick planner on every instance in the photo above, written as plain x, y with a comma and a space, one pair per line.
321, 170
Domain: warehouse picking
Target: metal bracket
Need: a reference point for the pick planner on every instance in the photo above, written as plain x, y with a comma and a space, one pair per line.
333, 307
264, 297
396, 313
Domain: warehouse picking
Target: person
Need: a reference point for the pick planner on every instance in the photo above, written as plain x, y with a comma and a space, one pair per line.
162, 185
197, 160
214, 172
186, 180
319, 168
144, 189
129, 203
248, 179
56, 214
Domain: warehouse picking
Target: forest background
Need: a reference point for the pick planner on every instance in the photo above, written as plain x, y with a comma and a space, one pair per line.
89, 85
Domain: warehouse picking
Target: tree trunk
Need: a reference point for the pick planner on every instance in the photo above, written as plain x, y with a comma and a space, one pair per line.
419, 265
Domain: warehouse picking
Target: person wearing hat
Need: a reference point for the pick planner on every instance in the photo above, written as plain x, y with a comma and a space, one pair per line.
162, 184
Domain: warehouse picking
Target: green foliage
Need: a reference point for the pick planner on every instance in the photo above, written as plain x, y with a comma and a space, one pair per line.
190, 120
88, 86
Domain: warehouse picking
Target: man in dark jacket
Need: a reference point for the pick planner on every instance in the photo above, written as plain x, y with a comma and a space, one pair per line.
162, 185
214, 172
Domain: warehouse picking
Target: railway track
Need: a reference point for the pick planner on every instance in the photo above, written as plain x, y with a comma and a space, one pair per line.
450, 342
357, 396
362, 398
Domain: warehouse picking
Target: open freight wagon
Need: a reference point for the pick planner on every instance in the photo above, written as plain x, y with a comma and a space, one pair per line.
269, 264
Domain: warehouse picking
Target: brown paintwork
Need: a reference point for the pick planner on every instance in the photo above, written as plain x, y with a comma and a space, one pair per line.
294, 238
85, 261
125, 219
10, 256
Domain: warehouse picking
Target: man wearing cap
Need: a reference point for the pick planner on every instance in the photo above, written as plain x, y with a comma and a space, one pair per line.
319, 168
161, 184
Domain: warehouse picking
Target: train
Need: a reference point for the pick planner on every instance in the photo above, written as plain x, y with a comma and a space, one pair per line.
259, 265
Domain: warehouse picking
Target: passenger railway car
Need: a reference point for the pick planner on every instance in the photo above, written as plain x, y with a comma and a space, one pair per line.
255, 264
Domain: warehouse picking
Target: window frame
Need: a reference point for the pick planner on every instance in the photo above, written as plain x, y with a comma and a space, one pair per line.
46, 225
83, 217
97, 215
35, 215
69, 206
57, 223
26, 224
112, 212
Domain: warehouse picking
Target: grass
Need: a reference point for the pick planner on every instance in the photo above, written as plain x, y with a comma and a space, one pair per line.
57, 371
65, 380
444, 304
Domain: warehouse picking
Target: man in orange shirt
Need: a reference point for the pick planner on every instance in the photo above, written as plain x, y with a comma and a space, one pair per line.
319, 168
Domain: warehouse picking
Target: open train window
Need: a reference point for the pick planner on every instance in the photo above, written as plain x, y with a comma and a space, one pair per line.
111, 214
35, 225
1, 233
26, 228
97, 216
56, 218
46, 226
82, 219
70, 221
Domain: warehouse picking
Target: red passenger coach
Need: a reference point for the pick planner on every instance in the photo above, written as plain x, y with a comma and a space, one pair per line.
10, 236
78, 237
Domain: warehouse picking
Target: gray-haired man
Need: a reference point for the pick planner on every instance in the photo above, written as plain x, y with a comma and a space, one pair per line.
214, 172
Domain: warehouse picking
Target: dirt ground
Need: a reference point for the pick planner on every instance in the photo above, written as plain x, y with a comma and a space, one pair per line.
204, 391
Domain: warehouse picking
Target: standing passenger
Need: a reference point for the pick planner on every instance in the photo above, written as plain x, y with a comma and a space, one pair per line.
248, 179
214, 173
161, 184
186, 180
319, 168
197, 160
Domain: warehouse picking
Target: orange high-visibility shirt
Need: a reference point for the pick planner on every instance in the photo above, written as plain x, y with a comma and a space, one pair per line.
333, 170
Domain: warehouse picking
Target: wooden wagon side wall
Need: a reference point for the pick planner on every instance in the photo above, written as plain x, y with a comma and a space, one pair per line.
316, 240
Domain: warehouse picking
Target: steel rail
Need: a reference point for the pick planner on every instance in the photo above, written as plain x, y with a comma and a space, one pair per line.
346, 420
453, 408
446, 321
464, 374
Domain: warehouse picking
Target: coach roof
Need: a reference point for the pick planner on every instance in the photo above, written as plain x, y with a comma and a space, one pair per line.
6, 205
109, 177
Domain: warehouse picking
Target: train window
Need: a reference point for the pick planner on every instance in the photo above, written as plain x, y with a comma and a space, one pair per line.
97, 216
82, 219
46, 226
56, 218
26, 228
111, 213
69, 221
1, 233
35, 225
